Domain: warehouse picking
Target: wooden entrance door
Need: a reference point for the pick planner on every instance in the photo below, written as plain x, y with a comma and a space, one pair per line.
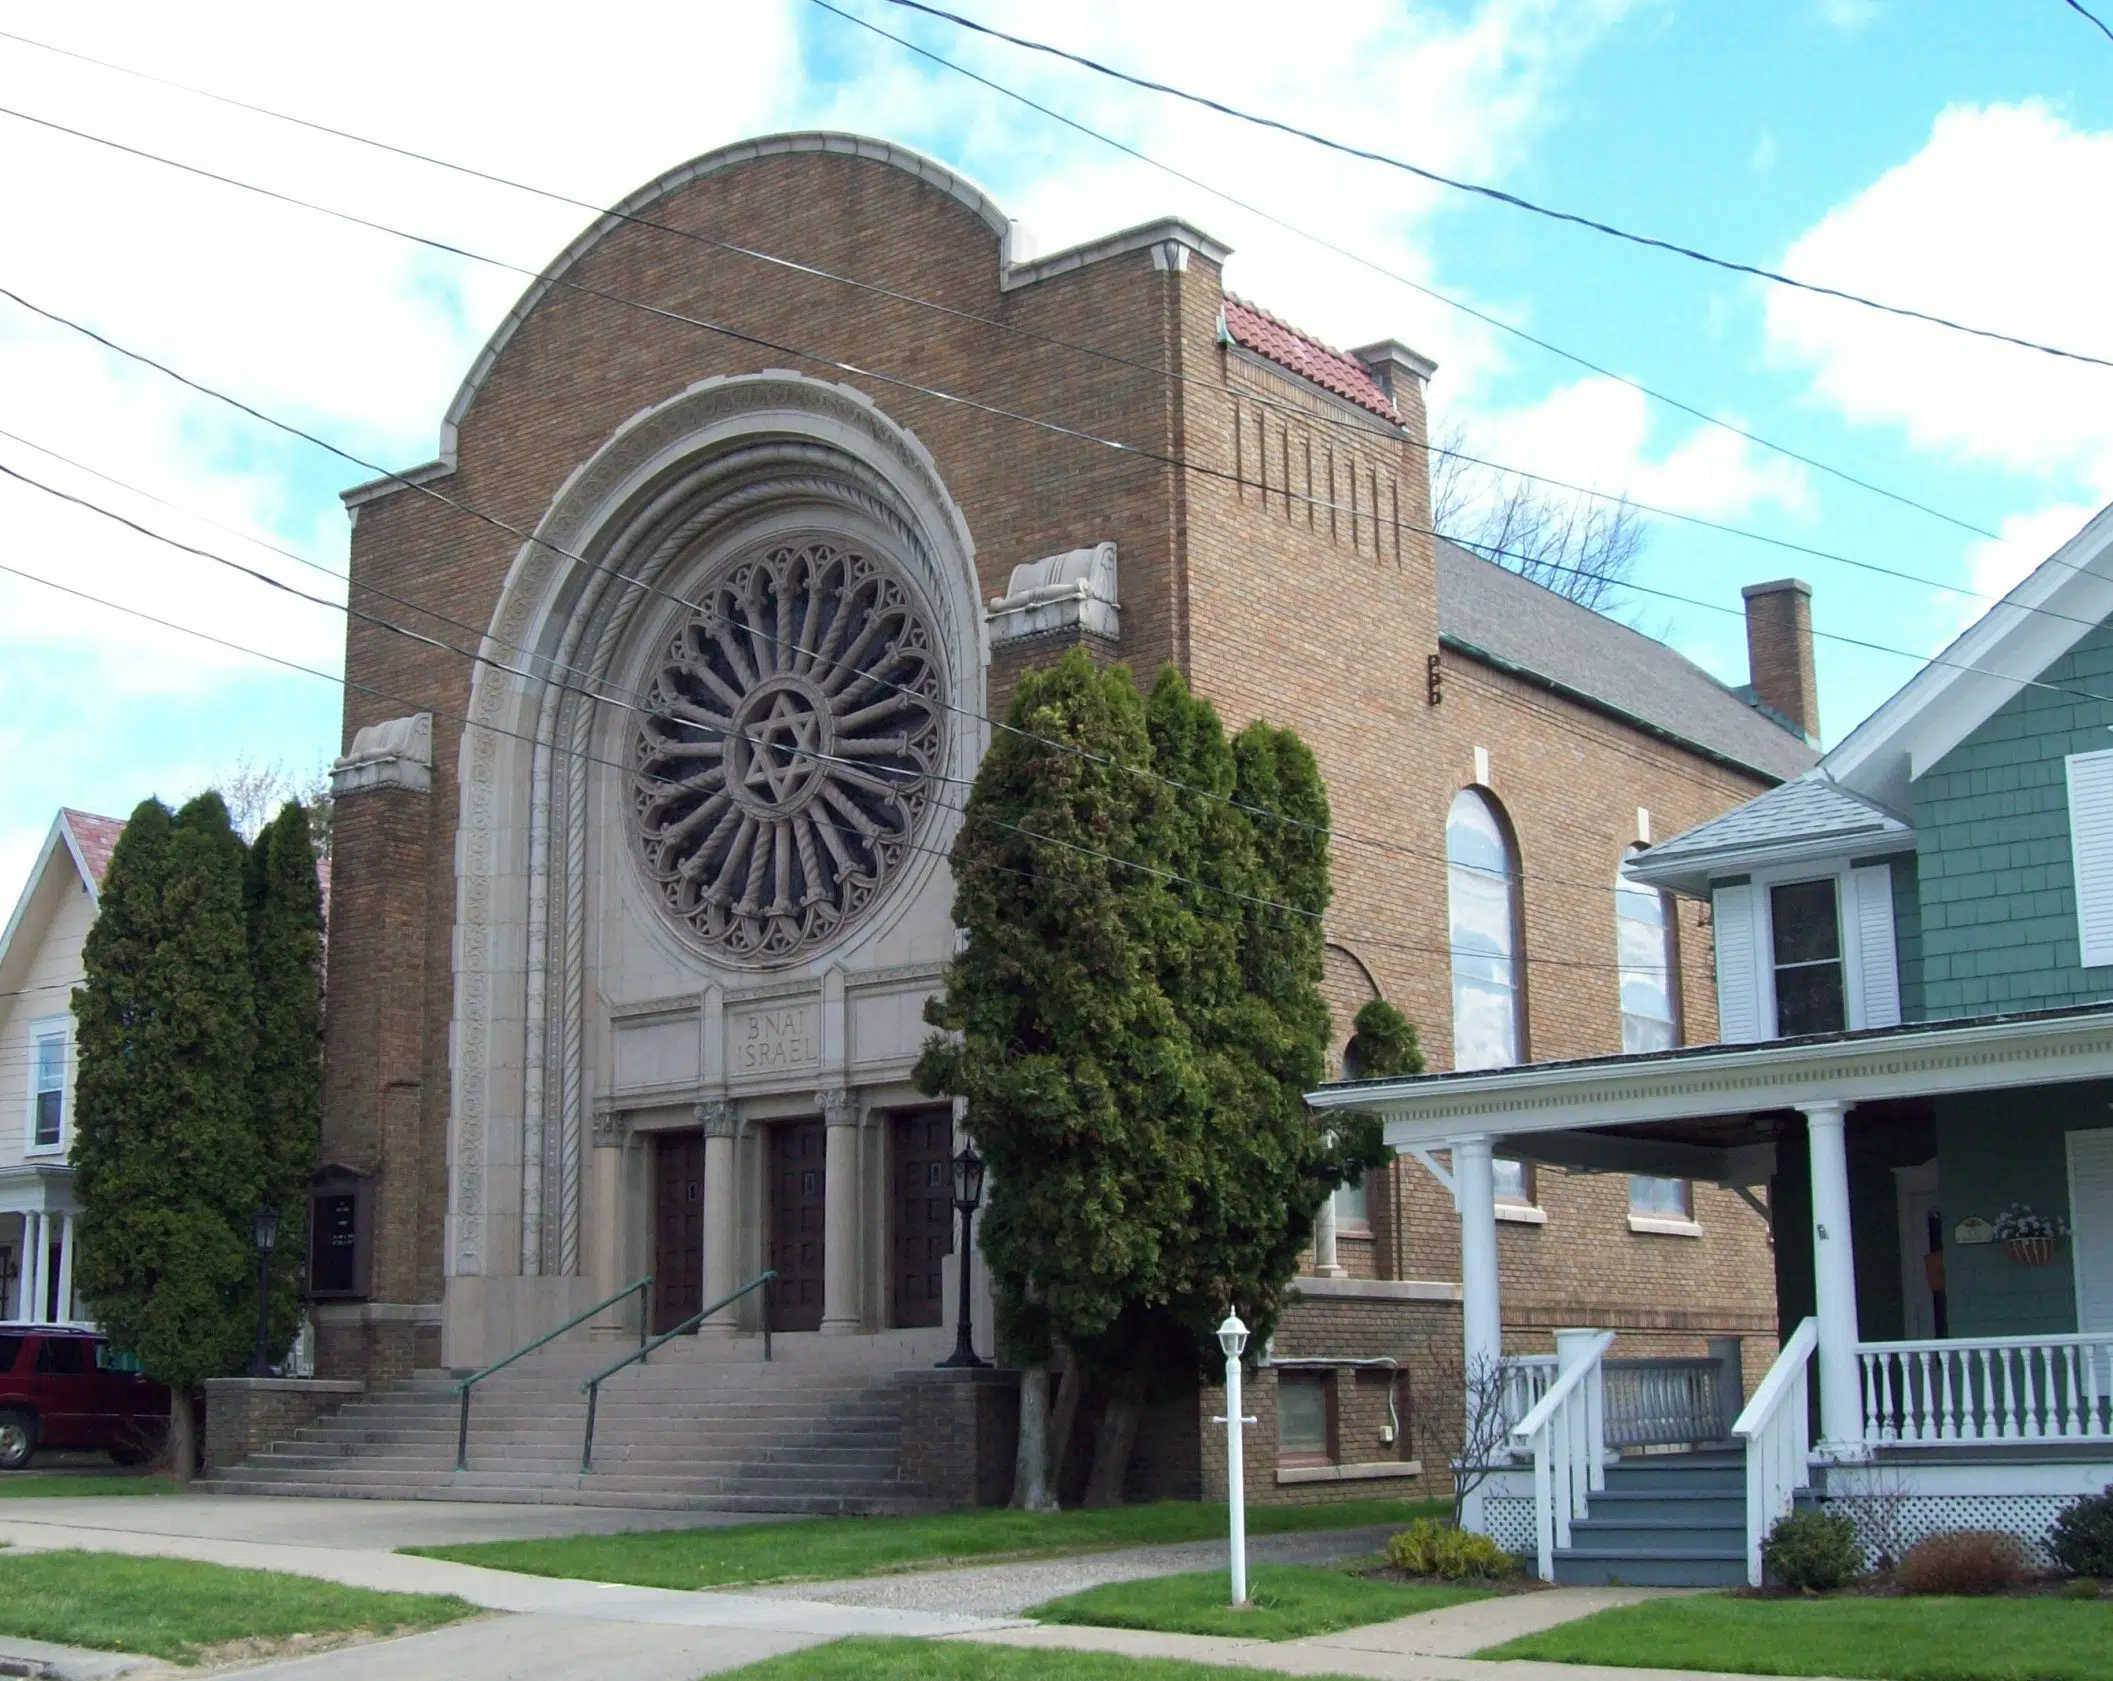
797, 1167
678, 1227
923, 1213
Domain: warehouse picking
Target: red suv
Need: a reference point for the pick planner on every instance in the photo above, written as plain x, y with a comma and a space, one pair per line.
62, 1388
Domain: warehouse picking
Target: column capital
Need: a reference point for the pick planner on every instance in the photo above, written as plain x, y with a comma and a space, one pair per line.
612, 1126
1477, 1144
839, 1105
718, 1117
1829, 1113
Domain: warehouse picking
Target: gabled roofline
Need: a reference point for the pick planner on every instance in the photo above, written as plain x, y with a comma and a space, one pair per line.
2055, 607
60, 835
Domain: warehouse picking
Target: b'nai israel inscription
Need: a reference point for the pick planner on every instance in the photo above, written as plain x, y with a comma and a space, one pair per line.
769, 1041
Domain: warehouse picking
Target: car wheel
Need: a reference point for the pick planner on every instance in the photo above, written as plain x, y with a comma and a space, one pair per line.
18, 1440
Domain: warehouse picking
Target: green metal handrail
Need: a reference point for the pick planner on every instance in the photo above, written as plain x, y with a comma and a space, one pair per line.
637, 1288
592, 1388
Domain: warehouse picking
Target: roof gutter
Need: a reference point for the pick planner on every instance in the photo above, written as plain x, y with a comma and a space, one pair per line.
1540, 680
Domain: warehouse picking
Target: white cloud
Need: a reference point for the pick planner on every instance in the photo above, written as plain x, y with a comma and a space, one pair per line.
1848, 16
1600, 433
1995, 568
1764, 154
1997, 221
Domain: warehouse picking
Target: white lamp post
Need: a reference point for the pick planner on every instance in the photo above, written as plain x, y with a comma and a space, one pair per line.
1232, 1337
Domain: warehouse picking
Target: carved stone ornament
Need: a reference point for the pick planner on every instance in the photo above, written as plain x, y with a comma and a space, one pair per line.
782, 774
612, 1127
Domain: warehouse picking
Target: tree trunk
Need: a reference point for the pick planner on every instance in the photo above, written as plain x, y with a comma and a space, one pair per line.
1030, 1476
183, 1436
1112, 1443
1071, 1388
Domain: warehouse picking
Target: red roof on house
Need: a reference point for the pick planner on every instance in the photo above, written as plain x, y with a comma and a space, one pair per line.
1331, 369
95, 836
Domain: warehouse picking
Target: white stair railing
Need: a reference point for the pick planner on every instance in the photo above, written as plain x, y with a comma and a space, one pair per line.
1777, 1430
1566, 1432
1988, 1389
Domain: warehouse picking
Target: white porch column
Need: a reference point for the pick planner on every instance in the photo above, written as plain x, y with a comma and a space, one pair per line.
1834, 1284
1324, 1261
66, 1225
1475, 1192
721, 1212
840, 1213
34, 1260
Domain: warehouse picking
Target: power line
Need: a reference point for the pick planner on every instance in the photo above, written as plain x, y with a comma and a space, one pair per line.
1008, 326
1497, 323
1499, 196
2096, 22
1369, 937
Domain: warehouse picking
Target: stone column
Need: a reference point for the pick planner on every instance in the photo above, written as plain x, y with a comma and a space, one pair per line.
1324, 1261
1481, 1316
721, 1212
1834, 1284
840, 1269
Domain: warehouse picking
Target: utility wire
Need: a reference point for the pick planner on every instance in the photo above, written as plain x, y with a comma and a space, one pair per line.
2096, 22
1499, 196
1370, 937
1015, 327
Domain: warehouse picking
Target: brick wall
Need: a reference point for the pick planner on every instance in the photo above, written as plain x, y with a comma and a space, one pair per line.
245, 1415
960, 1434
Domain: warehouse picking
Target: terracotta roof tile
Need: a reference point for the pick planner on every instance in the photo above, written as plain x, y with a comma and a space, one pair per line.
95, 836
1331, 369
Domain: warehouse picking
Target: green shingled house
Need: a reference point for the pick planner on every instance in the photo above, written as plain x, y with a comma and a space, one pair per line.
1914, 959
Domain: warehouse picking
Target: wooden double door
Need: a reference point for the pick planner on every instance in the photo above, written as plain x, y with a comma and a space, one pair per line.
798, 1223
678, 1227
923, 1212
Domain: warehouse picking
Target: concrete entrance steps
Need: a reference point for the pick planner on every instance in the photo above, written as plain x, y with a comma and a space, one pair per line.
1668, 1520
707, 1425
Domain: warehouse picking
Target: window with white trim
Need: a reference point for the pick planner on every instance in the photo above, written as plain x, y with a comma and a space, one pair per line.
1352, 1207
1806, 951
1513, 1180
1643, 930
1811, 990
1652, 1198
47, 1092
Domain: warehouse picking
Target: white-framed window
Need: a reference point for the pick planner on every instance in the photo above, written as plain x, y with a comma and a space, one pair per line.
1661, 1199
48, 1085
1353, 1208
1805, 950
1302, 1417
1482, 891
1649, 967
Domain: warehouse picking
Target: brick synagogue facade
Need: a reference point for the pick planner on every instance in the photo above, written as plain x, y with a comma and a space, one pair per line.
612, 993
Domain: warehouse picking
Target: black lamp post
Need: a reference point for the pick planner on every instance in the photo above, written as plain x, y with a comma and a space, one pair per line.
968, 1192
264, 1233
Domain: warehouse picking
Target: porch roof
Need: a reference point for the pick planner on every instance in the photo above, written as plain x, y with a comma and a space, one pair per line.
1708, 1086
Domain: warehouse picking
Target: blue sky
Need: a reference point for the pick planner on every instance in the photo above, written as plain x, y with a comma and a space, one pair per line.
1951, 156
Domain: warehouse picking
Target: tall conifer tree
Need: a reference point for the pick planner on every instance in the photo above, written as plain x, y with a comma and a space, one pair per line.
166, 1164
285, 929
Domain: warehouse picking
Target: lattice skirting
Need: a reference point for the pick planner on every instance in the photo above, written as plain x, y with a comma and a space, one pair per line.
1508, 1521
2027, 1516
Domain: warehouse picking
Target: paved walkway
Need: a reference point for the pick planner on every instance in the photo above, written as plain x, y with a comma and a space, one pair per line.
559, 1630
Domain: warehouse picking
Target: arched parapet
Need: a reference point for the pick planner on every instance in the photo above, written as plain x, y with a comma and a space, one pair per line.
730, 461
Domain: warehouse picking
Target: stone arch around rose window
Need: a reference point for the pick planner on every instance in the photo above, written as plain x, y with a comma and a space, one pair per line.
727, 466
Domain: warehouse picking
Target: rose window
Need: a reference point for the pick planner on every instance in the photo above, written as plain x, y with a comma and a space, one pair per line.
795, 726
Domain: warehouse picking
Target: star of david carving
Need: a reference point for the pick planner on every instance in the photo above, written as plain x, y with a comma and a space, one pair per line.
782, 741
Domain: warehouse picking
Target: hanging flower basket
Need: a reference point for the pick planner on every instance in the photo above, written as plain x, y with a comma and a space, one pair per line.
2031, 1251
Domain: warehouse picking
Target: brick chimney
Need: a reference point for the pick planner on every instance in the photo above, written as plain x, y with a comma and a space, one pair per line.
1779, 652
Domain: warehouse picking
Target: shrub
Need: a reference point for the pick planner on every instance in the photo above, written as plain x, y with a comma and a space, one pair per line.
1429, 1547
1813, 1551
2080, 1587
2082, 1537
1964, 1561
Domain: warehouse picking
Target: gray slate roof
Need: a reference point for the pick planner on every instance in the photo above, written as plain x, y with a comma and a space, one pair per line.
1811, 809
1486, 609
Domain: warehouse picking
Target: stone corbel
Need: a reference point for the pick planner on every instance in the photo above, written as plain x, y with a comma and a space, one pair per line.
396, 754
1074, 591
612, 1126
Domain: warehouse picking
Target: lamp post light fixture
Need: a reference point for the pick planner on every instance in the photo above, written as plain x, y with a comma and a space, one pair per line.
968, 1193
264, 1233
1232, 1337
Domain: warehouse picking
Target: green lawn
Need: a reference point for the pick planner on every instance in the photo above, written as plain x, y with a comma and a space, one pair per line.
824, 1549
958, 1660
172, 1608
31, 1486
1881, 1639
1287, 1601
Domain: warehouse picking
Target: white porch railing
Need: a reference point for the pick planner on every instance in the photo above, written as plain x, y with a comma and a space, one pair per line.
1566, 1434
1988, 1389
1777, 1429
1526, 1380
1649, 1403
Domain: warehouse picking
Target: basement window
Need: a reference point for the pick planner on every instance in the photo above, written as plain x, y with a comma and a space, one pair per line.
1302, 1418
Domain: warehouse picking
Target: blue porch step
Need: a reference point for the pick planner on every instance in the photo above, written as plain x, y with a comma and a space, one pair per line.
1664, 1520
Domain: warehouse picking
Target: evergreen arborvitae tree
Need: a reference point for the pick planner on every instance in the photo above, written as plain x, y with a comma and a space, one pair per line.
285, 930
1383, 1044
165, 1159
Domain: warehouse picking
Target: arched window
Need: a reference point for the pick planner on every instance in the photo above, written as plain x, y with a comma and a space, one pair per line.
1643, 937
1482, 882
